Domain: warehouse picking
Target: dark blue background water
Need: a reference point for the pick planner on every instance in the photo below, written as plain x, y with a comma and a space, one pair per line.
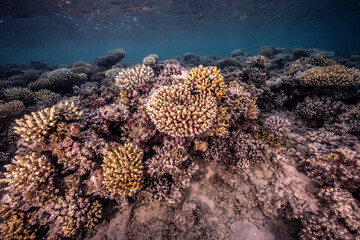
66, 31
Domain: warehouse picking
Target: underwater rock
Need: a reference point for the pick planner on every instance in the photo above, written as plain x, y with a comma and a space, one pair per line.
111, 58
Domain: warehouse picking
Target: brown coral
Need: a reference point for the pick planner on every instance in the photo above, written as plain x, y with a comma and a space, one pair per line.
11, 108
221, 125
134, 77
336, 75
177, 112
42, 83
122, 169
22, 94
68, 111
207, 79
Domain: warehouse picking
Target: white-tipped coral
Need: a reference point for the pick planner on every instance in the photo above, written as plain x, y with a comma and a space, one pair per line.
134, 77
177, 112
34, 127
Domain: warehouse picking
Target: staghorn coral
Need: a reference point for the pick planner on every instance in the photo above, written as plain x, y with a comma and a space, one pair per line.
134, 77
122, 169
177, 112
330, 76
34, 127
27, 173
22, 94
41, 83
206, 79
11, 109
277, 125
15, 225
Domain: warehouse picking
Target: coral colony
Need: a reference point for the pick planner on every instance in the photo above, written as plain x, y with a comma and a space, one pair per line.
79, 141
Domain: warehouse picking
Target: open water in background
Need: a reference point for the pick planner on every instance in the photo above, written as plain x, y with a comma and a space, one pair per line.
64, 31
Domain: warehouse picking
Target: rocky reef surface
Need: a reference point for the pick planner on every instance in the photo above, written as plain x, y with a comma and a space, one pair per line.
195, 147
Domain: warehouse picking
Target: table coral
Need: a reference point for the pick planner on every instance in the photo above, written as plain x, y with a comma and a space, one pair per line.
330, 76
134, 77
122, 169
177, 112
206, 79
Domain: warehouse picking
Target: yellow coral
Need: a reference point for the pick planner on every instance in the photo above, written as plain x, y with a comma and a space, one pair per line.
14, 225
271, 139
336, 75
68, 111
122, 169
177, 112
221, 122
207, 79
11, 108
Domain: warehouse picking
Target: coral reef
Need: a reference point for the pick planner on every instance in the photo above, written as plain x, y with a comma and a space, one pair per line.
330, 76
151, 60
177, 112
277, 125
123, 170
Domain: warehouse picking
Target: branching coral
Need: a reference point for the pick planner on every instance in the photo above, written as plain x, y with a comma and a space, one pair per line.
277, 125
68, 111
206, 79
134, 77
27, 173
221, 125
34, 127
63, 79
338, 166
177, 112
22, 94
259, 61
122, 169
330, 76
319, 60
42, 83
15, 225
241, 105
11, 108
172, 74
114, 112
171, 169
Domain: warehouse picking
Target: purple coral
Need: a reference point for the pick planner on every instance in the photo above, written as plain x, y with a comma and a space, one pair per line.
172, 74
114, 112
277, 125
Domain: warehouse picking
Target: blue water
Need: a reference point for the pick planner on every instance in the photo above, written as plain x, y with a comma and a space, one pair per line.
66, 31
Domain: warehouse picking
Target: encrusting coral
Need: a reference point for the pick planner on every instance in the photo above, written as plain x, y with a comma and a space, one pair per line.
329, 76
122, 169
206, 79
11, 108
179, 113
134, 77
